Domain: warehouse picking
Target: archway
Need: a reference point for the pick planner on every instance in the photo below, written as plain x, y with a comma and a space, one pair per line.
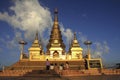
55, 54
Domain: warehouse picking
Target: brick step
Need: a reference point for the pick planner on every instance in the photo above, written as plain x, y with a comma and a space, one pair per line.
37, 65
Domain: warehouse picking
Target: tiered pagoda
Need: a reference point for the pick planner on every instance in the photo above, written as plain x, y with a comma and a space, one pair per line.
56, 47
75, 50
36, 50
56, 52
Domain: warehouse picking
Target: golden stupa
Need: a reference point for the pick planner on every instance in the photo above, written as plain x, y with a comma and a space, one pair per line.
56, 52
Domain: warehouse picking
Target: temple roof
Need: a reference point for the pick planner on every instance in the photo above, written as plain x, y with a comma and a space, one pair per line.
75, 44
36, 43
55, 37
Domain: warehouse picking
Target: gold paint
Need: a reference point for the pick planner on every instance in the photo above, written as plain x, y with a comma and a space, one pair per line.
75, 49
56, 48
35, 51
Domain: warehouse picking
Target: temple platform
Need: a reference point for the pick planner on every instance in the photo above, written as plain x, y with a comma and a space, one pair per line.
41, 65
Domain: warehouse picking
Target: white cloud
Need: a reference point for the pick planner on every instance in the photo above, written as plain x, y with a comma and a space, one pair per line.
29, 16
10, 43
7, 36
100, 49
81, 37
97, 48
67, 33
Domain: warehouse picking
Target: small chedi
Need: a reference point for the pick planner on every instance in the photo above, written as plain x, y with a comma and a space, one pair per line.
56, 53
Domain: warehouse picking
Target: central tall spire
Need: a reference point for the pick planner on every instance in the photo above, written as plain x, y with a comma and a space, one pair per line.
56, 24
55, 40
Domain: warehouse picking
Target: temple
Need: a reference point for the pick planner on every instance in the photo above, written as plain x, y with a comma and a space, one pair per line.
56, 47
56, 52
64, 65
75, 50
36, 51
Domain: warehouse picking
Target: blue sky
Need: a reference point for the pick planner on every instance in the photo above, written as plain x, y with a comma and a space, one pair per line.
94, 20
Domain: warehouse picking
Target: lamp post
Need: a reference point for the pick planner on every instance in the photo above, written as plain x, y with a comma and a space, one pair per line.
88, 43
22, 43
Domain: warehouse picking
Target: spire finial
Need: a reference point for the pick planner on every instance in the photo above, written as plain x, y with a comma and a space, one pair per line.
56, 15
56, 11
36, 36
55, 25
75, 36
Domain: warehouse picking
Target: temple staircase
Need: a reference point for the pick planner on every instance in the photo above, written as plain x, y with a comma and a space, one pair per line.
28, 73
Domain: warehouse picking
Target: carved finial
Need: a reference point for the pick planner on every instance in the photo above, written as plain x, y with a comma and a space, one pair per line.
56, 11
36, 36
56, 18
56, 15
75, 36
